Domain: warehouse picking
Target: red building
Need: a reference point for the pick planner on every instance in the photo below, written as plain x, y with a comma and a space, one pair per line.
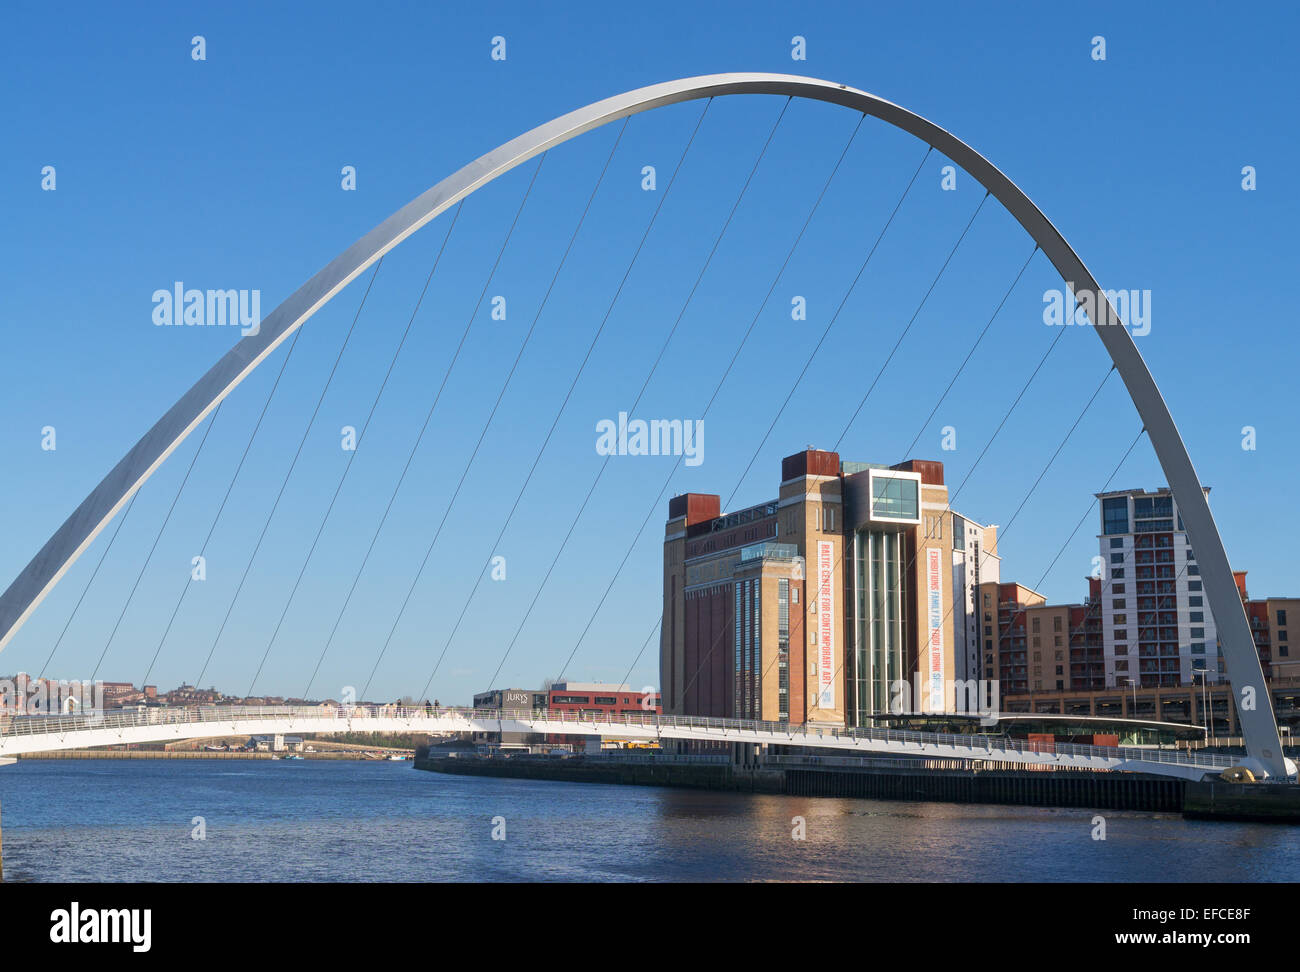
601, 698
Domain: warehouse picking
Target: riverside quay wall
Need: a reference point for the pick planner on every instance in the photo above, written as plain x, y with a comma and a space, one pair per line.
898, 779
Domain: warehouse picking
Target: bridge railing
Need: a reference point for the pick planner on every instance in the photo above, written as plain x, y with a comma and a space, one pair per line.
16, 725
807, 734
979, 746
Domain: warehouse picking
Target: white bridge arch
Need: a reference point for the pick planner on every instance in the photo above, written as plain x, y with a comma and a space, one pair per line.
1258, 724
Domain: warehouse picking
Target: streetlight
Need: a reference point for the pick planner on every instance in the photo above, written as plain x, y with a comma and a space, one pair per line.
1134, 683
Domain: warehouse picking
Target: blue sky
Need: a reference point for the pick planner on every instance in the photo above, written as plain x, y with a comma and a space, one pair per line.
226, 173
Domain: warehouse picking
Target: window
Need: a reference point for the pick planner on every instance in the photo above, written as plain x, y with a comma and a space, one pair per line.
1056, 623
1281, 618
1114, 515
895, 499
783, 649
1193, 585
1194, 601
1119, 619
1198, 616
1117, 589
1153, 506
1118, 604
1116, 542
1198, 648
1153, 526
1036, 624
1116, 572
1117, 558
1281, 635
1198, 632
1193, 570
1120, 634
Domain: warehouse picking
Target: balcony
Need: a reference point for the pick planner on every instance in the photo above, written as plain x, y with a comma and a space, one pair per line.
769, 550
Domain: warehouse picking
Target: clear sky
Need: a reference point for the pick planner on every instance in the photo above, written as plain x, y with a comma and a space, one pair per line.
226, 172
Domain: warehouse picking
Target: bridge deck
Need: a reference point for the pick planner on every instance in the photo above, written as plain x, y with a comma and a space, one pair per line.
33, 734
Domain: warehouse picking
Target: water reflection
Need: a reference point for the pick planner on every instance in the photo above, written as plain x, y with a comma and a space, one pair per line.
93, 820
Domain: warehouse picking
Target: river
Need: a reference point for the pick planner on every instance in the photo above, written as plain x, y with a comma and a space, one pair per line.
290, 820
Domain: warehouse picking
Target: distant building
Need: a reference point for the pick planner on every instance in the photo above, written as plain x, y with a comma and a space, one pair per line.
1269, 624
511, 698
1156, 627
188, 695
602, 698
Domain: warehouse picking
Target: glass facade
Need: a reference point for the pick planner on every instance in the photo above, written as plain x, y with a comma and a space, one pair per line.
1114, 515
748, 649
895, 498
880, 587
783, 649
737, 662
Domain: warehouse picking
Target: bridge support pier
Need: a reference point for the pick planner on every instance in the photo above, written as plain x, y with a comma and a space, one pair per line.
745, 754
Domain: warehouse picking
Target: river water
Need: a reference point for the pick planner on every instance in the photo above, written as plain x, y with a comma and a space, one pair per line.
290, 820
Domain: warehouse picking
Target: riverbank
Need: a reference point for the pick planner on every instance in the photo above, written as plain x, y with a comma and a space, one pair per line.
896, 780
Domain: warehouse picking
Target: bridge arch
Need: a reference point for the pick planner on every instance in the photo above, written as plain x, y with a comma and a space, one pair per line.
115, 490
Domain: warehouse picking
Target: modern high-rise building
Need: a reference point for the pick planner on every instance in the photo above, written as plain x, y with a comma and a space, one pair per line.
1156, 627
975, 562
817, 606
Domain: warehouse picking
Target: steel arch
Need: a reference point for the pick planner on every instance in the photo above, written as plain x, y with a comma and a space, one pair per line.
106, 500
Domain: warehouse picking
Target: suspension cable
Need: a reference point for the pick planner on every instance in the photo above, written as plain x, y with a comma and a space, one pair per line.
289, 472
415, 446
654, 217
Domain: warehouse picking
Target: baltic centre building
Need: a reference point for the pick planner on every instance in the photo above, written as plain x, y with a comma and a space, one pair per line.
815, 607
